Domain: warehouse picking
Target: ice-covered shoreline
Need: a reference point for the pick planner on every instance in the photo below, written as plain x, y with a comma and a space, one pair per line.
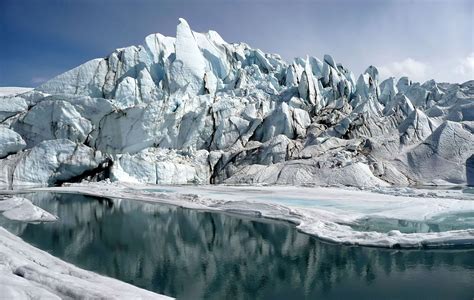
329, 220
27, 272
21, 209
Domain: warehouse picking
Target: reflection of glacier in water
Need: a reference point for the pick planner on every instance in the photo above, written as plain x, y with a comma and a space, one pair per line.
198, 255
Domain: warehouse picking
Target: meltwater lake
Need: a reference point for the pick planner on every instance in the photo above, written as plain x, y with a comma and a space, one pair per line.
191, 254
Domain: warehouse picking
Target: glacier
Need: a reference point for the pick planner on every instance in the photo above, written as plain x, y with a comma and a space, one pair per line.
196, 109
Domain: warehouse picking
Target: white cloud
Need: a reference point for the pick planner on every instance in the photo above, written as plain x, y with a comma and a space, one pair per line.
415, 70
465, 68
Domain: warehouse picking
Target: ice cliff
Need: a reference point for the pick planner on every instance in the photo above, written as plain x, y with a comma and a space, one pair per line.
196, 109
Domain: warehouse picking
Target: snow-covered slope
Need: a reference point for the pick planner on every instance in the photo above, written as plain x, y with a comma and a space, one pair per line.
196, 109
11, 91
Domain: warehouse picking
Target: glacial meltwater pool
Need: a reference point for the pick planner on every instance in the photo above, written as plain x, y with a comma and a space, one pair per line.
192, 254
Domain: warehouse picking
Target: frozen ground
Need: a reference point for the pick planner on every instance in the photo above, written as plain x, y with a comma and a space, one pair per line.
328, 213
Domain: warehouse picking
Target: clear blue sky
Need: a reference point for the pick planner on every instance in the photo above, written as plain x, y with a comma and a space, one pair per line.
425, 39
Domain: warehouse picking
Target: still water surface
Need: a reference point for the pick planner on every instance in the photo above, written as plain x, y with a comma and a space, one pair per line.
190, 254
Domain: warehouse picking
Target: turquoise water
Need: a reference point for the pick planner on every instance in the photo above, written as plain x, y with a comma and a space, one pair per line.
322, 203
199, 255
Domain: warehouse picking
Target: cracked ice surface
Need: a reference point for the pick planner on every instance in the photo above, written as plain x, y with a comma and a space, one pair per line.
197, 109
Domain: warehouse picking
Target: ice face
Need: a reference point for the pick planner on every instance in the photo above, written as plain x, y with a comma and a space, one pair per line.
220, 112
53, 161
10, 142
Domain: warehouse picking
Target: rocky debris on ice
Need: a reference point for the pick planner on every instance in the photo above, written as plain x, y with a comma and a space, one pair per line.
196, 109
29, 273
